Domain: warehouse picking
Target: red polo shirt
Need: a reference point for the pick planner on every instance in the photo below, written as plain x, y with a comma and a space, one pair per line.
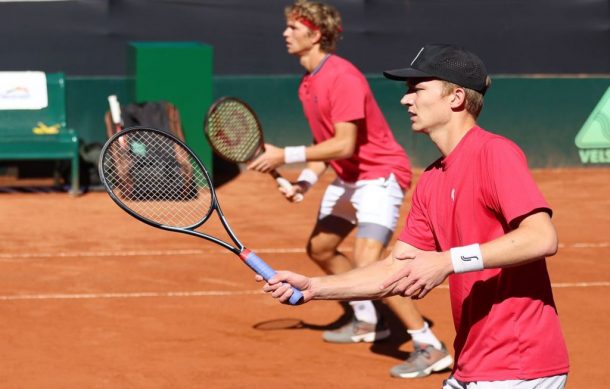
337, 92
505, 319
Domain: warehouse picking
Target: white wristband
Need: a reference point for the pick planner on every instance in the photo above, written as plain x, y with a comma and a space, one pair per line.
294, 154
467, 258
308, 176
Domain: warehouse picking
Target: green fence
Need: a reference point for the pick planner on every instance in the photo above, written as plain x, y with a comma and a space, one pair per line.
543, 115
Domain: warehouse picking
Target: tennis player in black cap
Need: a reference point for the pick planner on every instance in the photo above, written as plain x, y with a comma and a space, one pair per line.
477, 219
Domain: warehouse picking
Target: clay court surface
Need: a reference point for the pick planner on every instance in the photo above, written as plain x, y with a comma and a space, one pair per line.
92, 298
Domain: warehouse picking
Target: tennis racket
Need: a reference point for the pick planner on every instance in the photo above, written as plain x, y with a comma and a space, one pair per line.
157, 179
235, 134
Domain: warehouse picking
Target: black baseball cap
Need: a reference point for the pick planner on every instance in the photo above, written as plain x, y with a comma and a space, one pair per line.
445, 62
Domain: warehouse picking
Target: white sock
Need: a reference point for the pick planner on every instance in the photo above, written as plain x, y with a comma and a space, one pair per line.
364, 311
426, 336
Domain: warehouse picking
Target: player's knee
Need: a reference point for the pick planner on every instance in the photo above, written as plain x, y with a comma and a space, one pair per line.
318, 253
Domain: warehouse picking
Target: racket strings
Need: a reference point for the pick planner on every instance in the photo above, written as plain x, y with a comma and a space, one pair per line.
158, 179
233, 131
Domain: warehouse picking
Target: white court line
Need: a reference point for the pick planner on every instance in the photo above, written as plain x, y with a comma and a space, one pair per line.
561, 285
161, 253
585, 245
138, 253
142, 253
90, 296
580, 284
210, 293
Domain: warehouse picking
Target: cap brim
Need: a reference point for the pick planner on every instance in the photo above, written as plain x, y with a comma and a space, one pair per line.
405, 74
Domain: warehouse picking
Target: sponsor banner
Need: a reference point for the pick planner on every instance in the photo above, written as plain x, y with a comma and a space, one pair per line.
23, 90
593, 139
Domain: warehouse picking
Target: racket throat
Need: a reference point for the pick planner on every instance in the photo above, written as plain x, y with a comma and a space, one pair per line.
244, 254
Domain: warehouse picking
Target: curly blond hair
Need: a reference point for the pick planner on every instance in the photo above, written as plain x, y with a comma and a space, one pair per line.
322, 17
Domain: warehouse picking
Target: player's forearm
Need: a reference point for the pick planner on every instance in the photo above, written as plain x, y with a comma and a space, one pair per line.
535, 238
329, 150
326, 151
357, 284
342, 145
317, 167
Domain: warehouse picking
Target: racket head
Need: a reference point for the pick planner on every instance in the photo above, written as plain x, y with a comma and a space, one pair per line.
156, 178
233, 130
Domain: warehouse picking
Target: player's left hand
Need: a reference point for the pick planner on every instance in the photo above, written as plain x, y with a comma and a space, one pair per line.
295, 194
422, 273
272, 158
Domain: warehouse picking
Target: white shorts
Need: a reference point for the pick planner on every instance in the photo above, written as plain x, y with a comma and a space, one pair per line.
554, 382
373, 205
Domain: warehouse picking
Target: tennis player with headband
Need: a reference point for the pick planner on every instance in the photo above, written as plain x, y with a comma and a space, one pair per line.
478, 218
373, 172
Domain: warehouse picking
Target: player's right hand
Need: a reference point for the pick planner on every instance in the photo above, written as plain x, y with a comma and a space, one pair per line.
280, 286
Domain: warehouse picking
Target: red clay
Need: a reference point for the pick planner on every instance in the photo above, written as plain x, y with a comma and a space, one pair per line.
92, 298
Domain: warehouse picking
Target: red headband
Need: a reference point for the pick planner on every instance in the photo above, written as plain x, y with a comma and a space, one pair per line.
309, 24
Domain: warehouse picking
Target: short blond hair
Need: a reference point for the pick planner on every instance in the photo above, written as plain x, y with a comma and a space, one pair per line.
324, 17
474, 99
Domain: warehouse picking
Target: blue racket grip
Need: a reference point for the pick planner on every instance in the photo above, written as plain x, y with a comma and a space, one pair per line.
260, 267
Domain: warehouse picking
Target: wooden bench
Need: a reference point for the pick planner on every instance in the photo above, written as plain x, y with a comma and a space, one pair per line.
42, 134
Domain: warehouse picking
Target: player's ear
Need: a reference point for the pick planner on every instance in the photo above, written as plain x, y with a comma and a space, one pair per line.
458, 98
316, 36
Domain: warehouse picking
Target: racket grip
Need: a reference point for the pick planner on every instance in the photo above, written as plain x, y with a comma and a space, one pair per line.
284, 183
260, 267
115, 111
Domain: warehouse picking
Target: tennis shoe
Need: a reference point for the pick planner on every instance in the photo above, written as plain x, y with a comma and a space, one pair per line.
424, 360
358, 331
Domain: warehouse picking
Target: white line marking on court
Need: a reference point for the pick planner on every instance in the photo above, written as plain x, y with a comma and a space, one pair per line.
580, 284
560, 285
164, 253
211, 293
142, 253
585, 245
131, 253
90, 296
219, 282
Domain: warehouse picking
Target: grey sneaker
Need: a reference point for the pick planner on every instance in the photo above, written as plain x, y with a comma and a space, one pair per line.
357, 331
423, 360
